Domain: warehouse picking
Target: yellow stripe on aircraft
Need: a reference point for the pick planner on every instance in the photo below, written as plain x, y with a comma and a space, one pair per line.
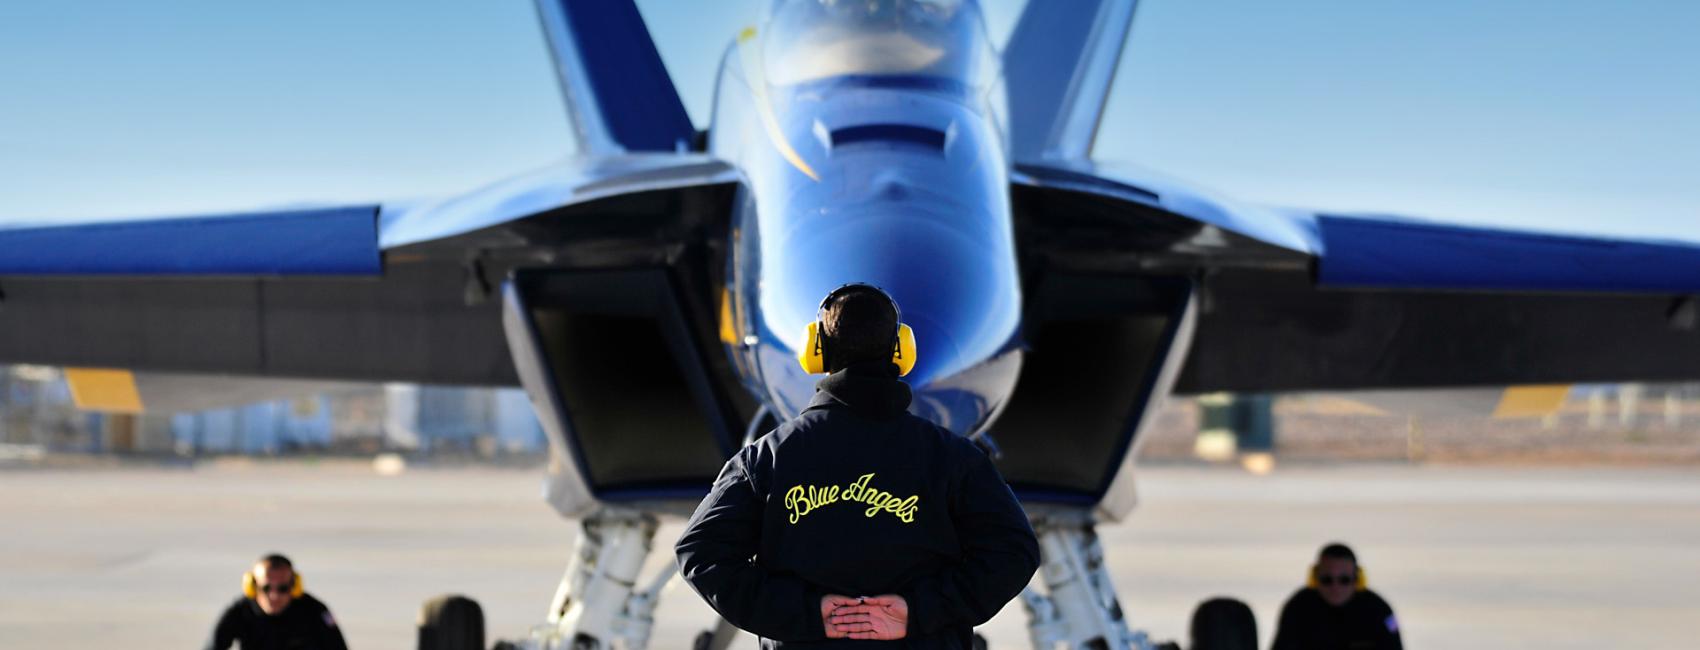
1531, 401
728, 324
103, 389
747, 46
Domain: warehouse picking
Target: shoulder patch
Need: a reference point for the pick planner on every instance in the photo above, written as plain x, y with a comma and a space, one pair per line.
330, 621
1391, 622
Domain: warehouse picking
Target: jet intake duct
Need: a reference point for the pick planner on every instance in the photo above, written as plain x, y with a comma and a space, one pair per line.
621, 383
1103, 350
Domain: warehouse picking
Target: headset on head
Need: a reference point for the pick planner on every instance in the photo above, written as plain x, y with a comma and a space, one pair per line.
1361, 583
812, 354
251, 587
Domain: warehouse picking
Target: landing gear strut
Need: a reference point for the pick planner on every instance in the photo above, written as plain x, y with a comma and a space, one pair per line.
1080, 610
598, 602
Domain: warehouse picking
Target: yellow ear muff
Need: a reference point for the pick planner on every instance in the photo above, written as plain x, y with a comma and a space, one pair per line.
904, 353
809, 354
1310, 578
1363, 579
251, 587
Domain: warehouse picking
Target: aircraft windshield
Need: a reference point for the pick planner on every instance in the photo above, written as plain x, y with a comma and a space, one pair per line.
816, 39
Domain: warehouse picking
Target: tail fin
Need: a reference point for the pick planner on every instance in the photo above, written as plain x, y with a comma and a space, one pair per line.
615, 85
1058, 67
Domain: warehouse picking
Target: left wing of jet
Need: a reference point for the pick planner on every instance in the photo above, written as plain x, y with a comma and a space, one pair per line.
1295, 300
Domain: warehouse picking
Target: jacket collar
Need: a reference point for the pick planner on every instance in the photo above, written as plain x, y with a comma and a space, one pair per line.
871, 389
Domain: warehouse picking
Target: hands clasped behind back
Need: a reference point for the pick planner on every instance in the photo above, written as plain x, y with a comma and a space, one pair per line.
880, 618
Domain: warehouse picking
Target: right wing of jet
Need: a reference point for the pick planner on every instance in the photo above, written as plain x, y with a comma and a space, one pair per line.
595, 282
398, 292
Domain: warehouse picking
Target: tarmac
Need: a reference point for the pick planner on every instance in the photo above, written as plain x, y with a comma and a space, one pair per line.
1469, 556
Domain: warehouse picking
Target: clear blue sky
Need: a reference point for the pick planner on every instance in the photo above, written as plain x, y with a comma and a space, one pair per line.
1563, 114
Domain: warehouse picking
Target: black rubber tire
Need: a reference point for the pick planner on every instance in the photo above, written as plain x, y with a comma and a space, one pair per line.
1223, 624
451, 622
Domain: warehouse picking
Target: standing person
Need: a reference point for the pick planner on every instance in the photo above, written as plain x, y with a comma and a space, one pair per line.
857, 520
275, 611
1337, 609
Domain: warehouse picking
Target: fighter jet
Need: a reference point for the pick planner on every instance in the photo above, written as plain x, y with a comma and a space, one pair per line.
651, 292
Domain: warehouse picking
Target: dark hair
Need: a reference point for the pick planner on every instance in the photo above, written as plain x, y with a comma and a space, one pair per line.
276, 561
1338, 551
860, 325
1224, 623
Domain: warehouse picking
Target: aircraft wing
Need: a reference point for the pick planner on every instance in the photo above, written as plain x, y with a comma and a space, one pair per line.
394, 292
397, 292
1297, 300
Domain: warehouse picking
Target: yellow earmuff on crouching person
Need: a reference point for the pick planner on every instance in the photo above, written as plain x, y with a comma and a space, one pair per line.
251, 587
813, 352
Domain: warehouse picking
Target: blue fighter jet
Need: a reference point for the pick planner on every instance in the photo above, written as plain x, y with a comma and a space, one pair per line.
651, 293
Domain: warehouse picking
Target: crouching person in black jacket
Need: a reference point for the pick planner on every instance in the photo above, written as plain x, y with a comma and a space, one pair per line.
857, 523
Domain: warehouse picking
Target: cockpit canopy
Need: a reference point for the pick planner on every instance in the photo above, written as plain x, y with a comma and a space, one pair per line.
807, 40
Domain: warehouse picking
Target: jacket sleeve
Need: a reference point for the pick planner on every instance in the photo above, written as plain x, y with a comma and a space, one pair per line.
1290, 632
224, 633
999, 555
715, 557
330, 636
1390, 626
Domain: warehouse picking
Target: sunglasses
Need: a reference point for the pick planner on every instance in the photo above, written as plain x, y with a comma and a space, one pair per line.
275, 589
1342, 580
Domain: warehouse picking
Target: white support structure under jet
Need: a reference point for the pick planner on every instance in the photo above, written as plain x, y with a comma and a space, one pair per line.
598, 605
1080, 610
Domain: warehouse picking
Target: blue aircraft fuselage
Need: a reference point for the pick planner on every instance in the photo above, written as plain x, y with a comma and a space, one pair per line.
897, 179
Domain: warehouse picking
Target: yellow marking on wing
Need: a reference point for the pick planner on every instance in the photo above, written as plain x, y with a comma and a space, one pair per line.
104, 389
1531, 401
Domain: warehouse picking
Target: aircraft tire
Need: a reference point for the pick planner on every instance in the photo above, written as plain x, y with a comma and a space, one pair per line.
1223, 624
451, 622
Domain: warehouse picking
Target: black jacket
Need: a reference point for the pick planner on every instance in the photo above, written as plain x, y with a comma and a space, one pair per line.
857, 497
306, 624
1365, 622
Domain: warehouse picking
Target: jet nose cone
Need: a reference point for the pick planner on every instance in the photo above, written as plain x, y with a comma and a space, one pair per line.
951, 272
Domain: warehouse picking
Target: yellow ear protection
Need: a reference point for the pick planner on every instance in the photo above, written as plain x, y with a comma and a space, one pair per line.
812, 354
1361, 583
251, 587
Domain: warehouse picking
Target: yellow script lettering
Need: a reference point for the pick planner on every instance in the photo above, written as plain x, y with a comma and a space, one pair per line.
800, 500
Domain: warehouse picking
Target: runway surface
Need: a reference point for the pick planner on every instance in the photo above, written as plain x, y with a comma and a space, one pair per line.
1470, 557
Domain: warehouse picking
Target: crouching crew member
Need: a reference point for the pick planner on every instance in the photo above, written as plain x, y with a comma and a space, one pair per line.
276, 612
857, 521
1336, 609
